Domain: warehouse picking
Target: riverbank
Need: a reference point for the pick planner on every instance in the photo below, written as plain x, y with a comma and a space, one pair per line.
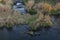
9, 17
37, 16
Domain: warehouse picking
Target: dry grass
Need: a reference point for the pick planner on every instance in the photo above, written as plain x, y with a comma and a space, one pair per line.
41, 20
57, 6
29, 4
8, 2
44, 6
9, 17
48, 7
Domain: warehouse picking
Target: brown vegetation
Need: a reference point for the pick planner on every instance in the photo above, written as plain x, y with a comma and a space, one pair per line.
9, 17
57, 6
30, 4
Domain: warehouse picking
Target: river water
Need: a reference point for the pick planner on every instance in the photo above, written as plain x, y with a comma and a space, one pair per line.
20, 33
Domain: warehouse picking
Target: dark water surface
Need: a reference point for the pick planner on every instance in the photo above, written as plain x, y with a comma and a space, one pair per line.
20, 33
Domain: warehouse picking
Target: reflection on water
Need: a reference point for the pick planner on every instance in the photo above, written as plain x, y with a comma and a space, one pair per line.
20, 33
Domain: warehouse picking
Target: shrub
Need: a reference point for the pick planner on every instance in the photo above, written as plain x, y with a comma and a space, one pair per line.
56, 9
48, 7
29, 4
55, 12
32, 11
57, 6
39, 21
